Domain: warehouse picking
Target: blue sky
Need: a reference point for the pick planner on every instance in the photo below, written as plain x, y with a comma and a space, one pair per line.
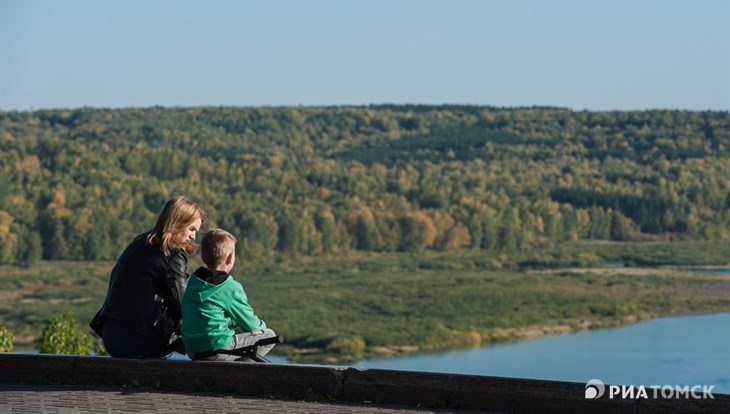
595, 55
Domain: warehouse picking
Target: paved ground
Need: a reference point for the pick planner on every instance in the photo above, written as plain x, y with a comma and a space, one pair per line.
34, 398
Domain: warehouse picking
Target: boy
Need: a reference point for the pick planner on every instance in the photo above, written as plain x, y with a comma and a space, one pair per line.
214, 304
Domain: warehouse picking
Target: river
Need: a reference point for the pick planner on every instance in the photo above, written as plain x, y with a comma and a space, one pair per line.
688, 350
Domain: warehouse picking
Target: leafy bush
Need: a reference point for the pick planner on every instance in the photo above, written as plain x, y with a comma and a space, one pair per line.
6, 339
98, 347
63, 336
441, 338
353, 345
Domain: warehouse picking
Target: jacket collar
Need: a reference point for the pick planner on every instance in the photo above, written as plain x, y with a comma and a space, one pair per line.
214, 277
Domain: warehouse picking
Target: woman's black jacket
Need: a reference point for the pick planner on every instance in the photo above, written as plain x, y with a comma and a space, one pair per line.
145, 291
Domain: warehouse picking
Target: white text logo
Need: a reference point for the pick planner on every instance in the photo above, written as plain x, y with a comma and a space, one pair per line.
596, 388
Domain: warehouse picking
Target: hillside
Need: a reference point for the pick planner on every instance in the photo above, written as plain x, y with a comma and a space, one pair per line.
78, 184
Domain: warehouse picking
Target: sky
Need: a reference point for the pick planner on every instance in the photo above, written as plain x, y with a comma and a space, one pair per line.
584, 55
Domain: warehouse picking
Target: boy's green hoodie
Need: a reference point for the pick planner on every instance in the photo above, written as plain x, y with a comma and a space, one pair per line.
213, 304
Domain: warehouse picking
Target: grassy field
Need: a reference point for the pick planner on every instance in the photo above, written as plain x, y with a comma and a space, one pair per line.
339, 309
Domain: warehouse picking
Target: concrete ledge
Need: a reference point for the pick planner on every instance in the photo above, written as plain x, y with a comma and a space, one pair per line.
251, 379
478, 392
492, 394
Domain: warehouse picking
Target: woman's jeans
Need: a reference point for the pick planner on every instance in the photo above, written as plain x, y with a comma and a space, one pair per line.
123, 342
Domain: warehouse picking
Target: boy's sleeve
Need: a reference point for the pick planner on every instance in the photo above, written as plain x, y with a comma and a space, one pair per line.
242, 314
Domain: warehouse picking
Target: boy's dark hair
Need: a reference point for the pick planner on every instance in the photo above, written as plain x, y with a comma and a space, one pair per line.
215, 246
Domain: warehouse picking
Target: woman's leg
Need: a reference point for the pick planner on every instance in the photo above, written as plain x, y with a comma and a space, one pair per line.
123, 342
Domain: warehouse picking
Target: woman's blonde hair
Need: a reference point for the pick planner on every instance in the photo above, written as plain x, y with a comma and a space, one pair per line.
216, 246
176, 215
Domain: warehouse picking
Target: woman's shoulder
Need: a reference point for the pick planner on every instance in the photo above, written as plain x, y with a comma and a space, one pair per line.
179, 252
153, 251
137, 246
155, 246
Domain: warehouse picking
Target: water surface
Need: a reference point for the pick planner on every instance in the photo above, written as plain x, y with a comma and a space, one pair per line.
690, 350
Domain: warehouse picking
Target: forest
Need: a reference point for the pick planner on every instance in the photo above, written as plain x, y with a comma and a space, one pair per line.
317, 181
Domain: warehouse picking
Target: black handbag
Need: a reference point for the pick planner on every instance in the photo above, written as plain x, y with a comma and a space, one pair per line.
163, 324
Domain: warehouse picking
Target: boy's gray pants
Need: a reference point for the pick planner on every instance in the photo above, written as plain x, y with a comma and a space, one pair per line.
242, 340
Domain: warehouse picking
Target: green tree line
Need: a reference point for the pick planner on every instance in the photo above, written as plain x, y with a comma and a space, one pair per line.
78, 184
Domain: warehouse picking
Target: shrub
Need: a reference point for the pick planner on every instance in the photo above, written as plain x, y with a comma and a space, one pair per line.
63, 336
6, 339
441, 338
98, 347
353, 345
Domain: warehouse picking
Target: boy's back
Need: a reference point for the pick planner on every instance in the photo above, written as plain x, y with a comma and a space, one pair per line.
215, 304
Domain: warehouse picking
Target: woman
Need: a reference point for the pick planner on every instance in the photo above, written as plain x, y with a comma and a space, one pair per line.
141, 315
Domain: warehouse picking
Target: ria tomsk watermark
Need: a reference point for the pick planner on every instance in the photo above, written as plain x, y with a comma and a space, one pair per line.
595, 388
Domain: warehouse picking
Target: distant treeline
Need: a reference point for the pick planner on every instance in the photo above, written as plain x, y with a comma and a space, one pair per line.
78, 184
